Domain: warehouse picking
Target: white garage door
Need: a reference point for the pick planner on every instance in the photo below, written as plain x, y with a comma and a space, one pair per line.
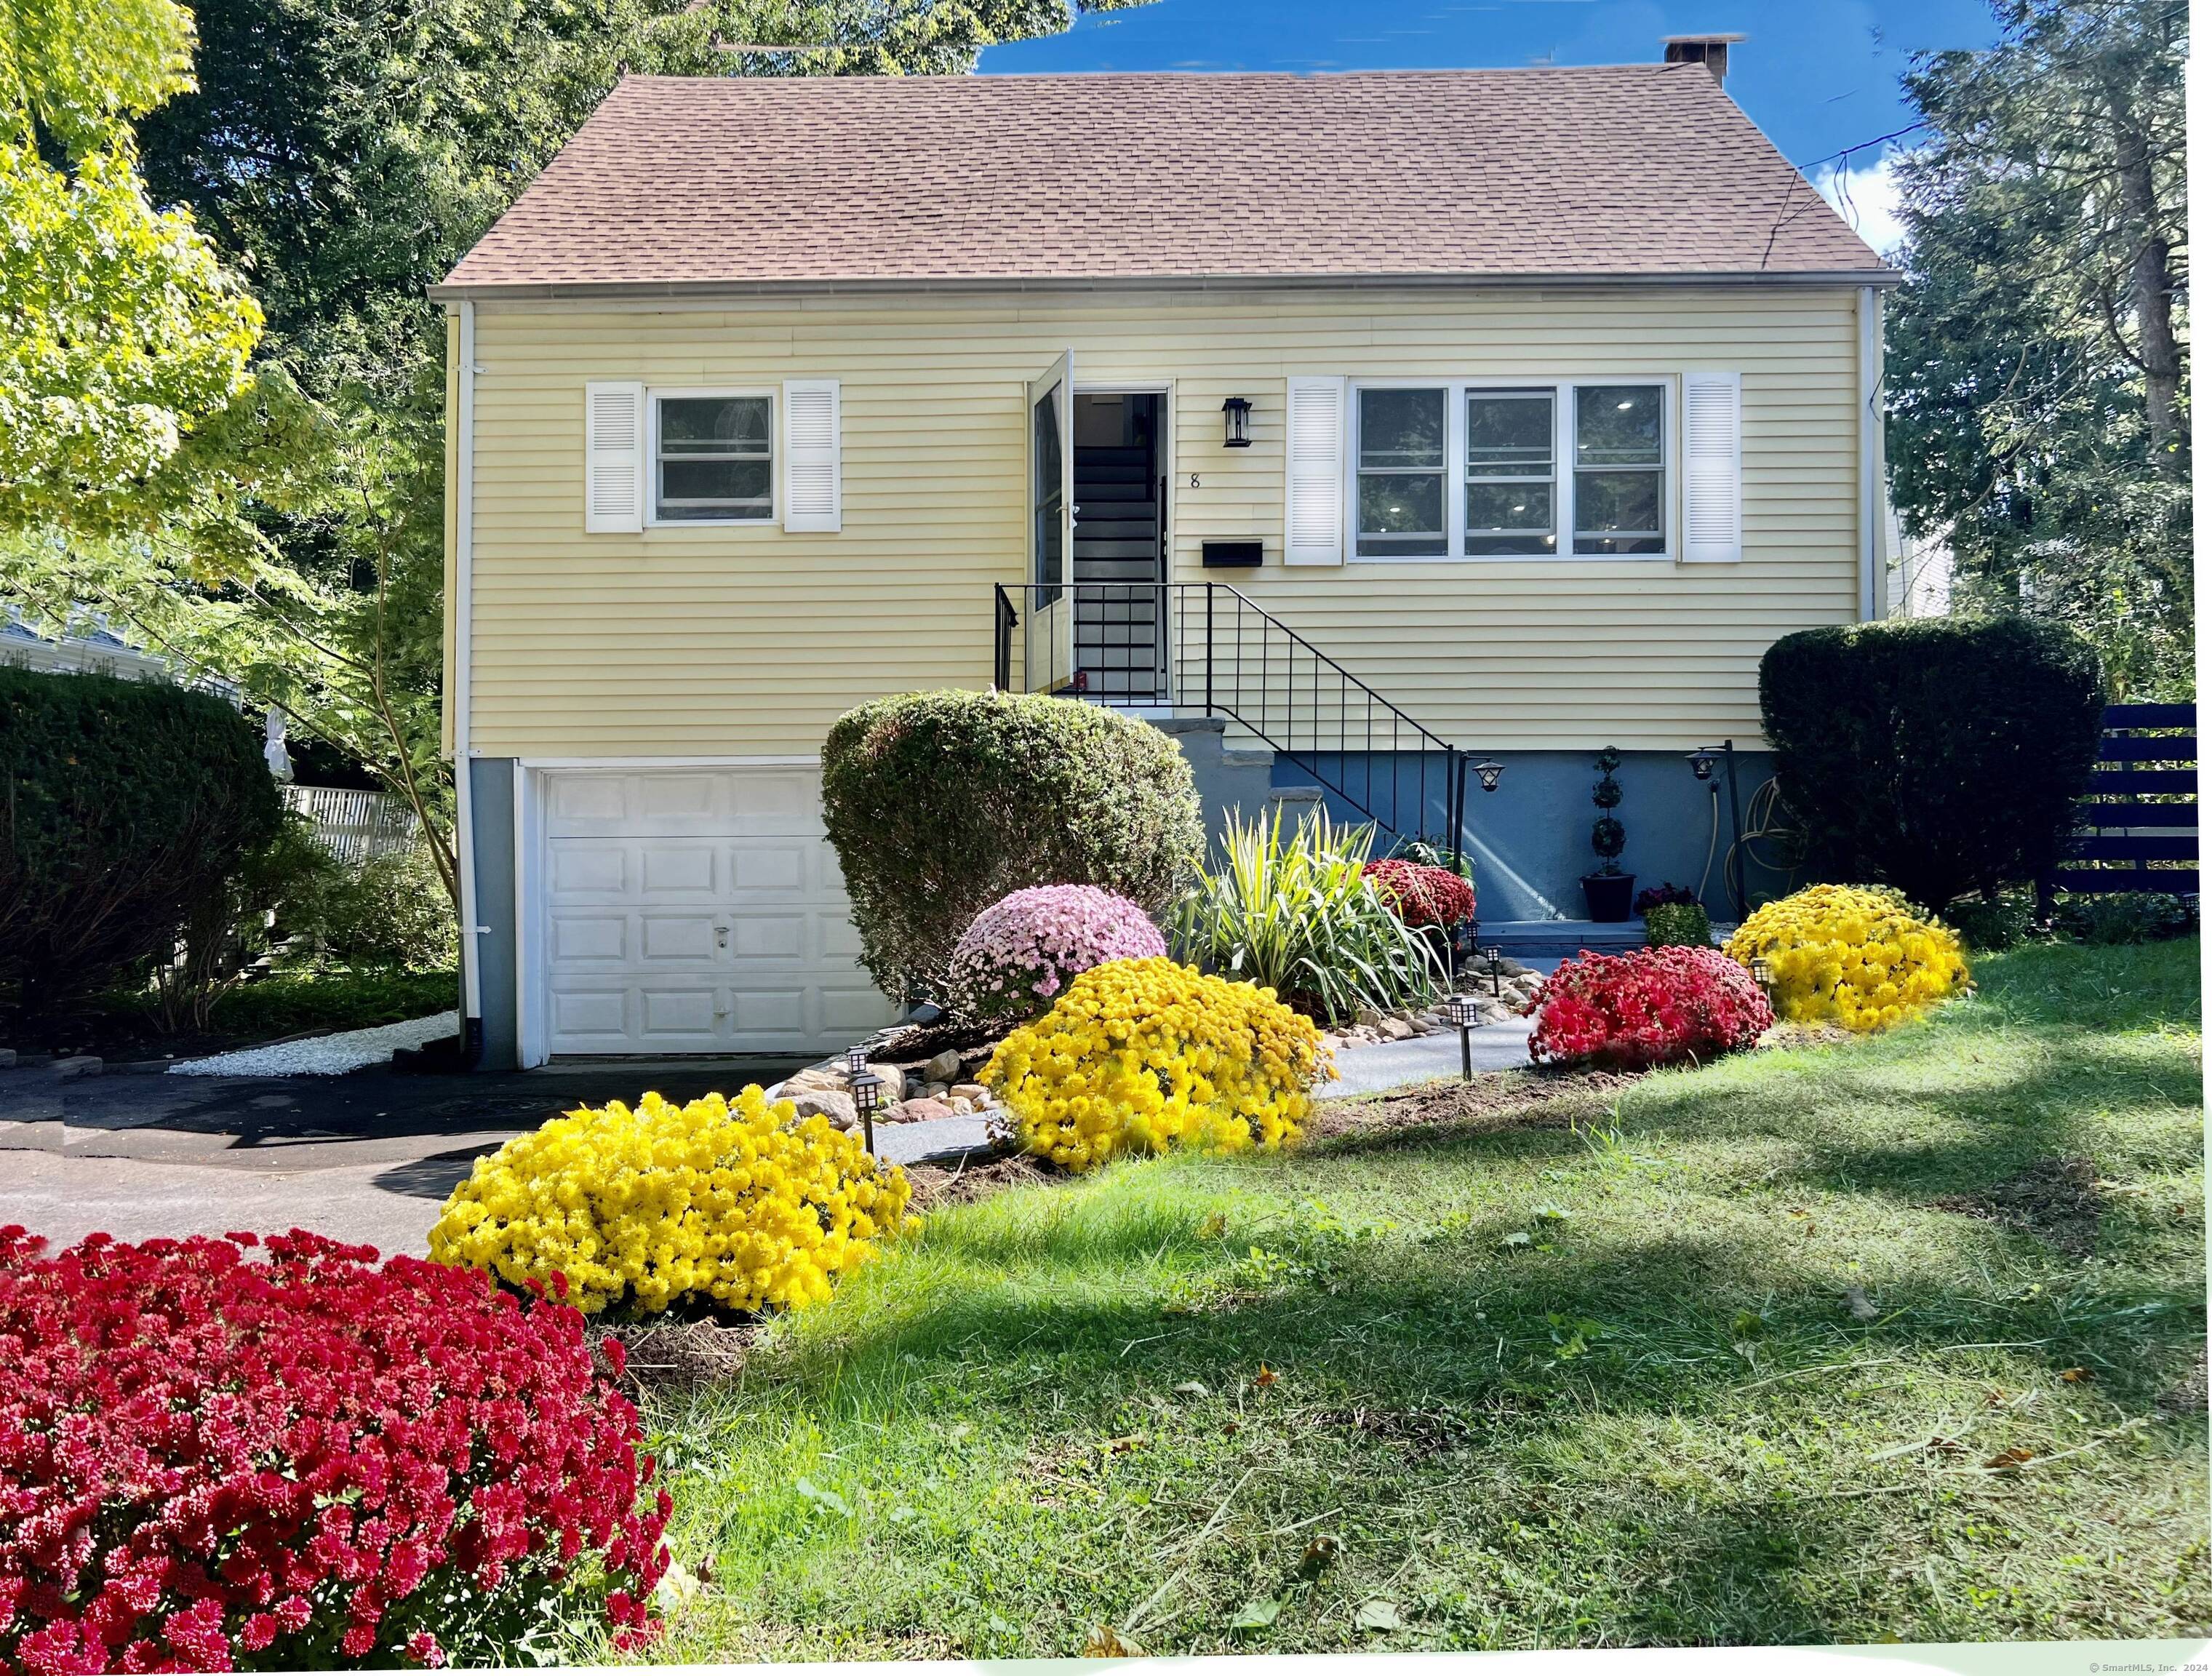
696, 911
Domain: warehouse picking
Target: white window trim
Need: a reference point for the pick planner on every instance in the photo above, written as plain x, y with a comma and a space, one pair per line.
1456, 387
657, 393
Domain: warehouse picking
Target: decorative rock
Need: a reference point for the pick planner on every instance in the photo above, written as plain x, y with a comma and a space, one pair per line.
831, 1103
1397, 1029
815, 1079
973, 1093
963, 1106
77, 1064
922, 1111
916, 1085
936, 1091
944, 1068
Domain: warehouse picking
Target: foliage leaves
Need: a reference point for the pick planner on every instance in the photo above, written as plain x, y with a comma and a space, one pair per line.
940, 804
1939, 756
2038, 396
125, 804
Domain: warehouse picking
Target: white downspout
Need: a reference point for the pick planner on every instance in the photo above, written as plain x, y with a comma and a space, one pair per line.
1871, 499
464, 492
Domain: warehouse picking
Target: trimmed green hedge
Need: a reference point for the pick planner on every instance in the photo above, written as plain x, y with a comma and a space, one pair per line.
126, 802
1940, 755
940, 803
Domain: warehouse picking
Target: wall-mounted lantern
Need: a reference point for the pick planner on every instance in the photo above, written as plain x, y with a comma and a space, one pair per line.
1236, 423
1487, 772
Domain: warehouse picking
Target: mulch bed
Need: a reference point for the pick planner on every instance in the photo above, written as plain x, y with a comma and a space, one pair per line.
677, 1356
936, 1185
918, 1044
1532, 1098
2055, 1200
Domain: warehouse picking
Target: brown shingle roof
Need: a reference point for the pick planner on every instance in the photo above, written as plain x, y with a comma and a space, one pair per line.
1633, 170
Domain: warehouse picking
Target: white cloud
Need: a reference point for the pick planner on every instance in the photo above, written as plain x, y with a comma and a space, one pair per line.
1867, 198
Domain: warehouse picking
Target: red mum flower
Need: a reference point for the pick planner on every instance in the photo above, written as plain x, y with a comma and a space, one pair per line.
1649, 1006
1422, 896
209, 1454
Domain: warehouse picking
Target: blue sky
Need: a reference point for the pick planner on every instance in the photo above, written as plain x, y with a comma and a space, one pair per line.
1818, 76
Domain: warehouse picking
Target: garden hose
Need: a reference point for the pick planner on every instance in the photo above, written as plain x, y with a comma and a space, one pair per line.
1713, 841
1763, 822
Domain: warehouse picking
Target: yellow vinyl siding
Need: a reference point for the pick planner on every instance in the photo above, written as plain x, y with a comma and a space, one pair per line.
744, 641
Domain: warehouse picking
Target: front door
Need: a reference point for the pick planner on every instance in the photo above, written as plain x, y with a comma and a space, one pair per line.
1048, 631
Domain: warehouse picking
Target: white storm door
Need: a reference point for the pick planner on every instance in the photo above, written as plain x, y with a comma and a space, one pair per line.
1048, 617
696, 911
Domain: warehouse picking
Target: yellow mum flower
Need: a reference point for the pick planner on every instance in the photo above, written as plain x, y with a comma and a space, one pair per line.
1139, 1055
738, 1203
1851, 954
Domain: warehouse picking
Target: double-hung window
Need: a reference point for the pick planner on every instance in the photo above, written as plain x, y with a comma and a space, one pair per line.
1621, 468
713, 459
1520, 471
1512, 472
1401, 493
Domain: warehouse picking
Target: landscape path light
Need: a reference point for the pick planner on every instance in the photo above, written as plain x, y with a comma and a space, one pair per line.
867, 1093
1762, 973
1464, 1011
1494, 957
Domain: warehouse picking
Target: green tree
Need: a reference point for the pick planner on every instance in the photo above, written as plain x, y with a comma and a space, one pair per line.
120, 333
345, 153
2038, 352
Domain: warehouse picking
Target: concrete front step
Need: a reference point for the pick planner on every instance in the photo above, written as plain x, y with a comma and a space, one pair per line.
1532, 941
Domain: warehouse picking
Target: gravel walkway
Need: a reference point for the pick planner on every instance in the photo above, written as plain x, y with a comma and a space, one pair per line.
321, 1055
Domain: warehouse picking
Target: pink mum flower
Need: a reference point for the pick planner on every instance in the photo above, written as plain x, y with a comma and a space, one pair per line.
1028, 945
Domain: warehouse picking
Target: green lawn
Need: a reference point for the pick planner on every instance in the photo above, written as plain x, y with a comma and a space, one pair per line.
1548, 1383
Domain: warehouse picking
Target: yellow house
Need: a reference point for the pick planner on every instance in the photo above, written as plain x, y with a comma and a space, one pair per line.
1359, 429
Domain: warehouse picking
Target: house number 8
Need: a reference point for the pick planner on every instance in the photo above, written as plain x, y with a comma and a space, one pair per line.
1194, 480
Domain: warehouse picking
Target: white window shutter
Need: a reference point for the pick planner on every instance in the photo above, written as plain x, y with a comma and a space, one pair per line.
614, 457
1313, 485
813, 455
1712, 468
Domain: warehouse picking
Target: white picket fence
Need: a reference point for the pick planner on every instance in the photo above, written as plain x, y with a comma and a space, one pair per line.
355, 825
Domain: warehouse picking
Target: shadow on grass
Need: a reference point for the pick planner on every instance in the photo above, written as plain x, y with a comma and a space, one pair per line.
1665, 1321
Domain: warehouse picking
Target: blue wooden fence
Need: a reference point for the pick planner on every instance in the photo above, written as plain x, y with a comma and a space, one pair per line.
2137, 827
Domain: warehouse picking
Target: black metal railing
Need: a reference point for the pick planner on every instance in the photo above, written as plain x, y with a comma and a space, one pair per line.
1205, 648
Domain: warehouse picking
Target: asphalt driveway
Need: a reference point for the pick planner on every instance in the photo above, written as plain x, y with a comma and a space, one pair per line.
367, 1157
370, 1158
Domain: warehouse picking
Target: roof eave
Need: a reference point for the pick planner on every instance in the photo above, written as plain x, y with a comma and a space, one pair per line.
660, 290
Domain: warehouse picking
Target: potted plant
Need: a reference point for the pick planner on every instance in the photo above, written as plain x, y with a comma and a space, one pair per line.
1674, 917
1608, 891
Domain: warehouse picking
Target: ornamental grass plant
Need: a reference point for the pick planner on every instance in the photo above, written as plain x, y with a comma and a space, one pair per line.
304, 1459
1141, 1055
733, 1205
1298, 914
1857, 956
